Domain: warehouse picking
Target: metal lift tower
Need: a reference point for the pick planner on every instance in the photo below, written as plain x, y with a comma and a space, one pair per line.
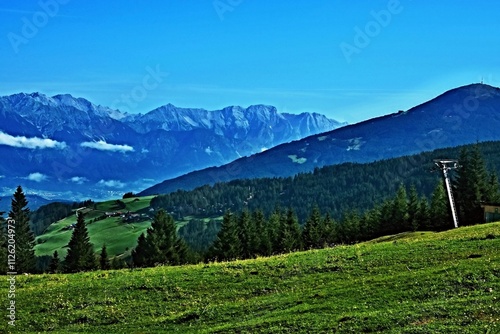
446, 165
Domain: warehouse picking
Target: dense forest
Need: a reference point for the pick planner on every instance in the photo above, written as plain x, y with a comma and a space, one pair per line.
248, 234
334, 189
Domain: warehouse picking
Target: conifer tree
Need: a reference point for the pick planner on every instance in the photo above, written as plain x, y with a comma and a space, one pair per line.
273, 230
493, 195
25, 239
386, 222
227, 246
349, 228
371, 223
413, 209
263, 246
440, 209
328, 231
103, 259
80, 256
424, 215
183, 253
247, 235
471, 186
161, 245
54, 263
368, 225
400, 210
118, 263
312, 235
139, 254
290, 233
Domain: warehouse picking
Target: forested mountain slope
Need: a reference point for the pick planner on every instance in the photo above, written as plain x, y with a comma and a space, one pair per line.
335, 189
460, 116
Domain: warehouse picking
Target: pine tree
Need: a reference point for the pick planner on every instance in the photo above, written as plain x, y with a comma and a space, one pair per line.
349, 228
227, 246
312, 235
183, 253
328, 230
139, 254
493, 194
247, 235
400, 215
118, 263
103, 259
424, 215
413, 209
25, 239
371, 223
80, 256
386, 222
471, 186
161, 245
263, 246
54, 263
290, 233
273, 230
440, 209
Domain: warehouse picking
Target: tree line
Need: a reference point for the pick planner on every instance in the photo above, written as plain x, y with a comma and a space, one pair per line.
250, 233
80, 256
334, 189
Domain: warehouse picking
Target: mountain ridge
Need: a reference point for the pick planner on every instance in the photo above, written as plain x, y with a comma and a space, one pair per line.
61, 143
457, 117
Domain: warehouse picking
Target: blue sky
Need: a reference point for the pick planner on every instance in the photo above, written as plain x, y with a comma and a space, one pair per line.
350, 60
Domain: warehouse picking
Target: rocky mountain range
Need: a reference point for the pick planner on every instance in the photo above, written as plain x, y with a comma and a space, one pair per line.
68, 147
460, 116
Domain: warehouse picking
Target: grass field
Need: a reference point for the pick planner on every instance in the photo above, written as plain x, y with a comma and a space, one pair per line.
445, 282
120, 238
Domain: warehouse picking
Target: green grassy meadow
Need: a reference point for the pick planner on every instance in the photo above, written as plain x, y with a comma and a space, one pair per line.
420, 282
118, 236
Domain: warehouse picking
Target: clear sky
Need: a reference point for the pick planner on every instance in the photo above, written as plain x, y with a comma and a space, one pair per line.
350, 60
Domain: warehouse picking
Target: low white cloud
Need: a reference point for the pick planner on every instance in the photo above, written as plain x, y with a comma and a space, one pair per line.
111, 184
2, 176
36, 177
32, 143
144, 150
103, 146
79, 179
